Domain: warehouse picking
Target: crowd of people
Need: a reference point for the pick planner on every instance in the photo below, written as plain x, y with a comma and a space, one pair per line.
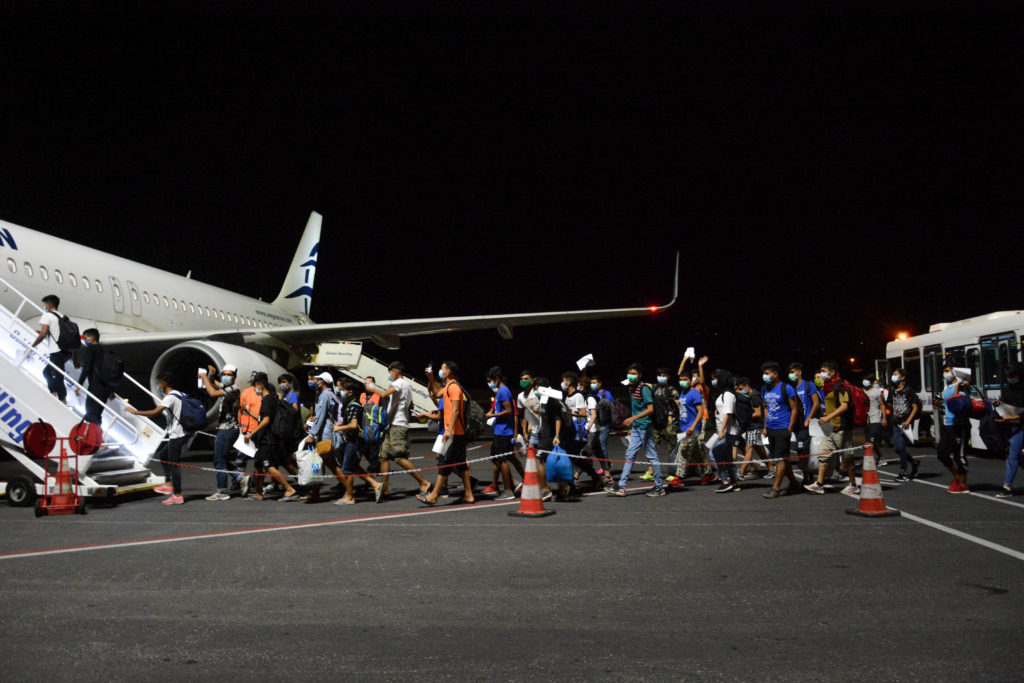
715, 427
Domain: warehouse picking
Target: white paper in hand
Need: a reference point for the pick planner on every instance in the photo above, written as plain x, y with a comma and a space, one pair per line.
713, 441
246, 449
585, 362
690, 353
441, 445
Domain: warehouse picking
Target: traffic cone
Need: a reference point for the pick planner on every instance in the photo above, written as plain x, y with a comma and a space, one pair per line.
530, 504
872, 504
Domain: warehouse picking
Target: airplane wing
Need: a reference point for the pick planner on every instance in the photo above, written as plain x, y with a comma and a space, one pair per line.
387, 333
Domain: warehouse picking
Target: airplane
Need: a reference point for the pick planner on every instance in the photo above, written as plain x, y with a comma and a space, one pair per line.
145, 313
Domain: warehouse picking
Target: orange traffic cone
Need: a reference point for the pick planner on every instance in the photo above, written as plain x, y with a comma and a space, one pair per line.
530, 504
872, 504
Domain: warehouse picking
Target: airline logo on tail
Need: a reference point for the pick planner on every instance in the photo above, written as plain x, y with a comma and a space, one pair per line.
6, 240
309, 272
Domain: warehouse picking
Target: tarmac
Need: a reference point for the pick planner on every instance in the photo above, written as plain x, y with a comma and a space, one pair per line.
690, 586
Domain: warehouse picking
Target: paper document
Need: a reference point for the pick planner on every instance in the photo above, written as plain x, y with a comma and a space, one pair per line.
585, 362
246, 449
1006, 410
818, 429
490, 422
441, 445
690, 353
962, 373
550, 393
713, 441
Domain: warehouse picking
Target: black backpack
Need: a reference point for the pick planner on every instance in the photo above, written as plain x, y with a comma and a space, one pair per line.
111, 368
285, 424
661, 408
744, 411
68, 336
605, 412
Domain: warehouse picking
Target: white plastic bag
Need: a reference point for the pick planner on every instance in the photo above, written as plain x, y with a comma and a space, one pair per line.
311, 467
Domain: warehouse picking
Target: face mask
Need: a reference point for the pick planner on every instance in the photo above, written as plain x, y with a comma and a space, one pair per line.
825, 377
370, 385
285, 387
714, 382
632, 378
819, 382
683, 384
160, 392
86, 342
493, 387
525, 383
866, 383
766, 378
565, 386
793, 377
227, 380
744, 392
662, 380
442, 373
593, 387
312, 385
948, 376
344, 395
895, 379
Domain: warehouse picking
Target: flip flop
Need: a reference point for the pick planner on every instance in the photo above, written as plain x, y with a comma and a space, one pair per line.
463, 501
422, 497
289, 499
378, 495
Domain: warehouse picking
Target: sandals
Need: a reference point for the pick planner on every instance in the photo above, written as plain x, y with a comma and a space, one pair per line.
422, 497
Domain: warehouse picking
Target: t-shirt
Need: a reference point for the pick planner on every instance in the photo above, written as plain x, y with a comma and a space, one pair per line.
776, 405
529, 406
903, 402
725, 404
689, 408
172, 405
506, 424
577, 404
640, 398
229, 408
805, 392
249, 409
398, 409
453, 397
874, 395
291, 398
831, 404
352, 410
592, 405
49, 343
268, 406
949, 419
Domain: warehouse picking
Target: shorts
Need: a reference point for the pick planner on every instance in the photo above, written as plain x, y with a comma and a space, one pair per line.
803, 443
501, 449
350, 458
837, 441
754, 436
395, 444
455, 459
273, 454
778, 443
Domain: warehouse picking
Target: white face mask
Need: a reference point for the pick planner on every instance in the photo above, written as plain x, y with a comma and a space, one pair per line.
442, 373
565, 386
866, 384
949, 377
895, 379
370, 385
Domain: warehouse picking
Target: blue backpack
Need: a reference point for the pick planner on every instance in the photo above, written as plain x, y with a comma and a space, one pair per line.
375, 423
193, 414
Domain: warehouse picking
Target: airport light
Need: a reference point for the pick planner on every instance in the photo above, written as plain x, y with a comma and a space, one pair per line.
901, 336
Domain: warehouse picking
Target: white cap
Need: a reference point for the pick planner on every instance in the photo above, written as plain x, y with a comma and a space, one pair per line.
326, 377
230, 368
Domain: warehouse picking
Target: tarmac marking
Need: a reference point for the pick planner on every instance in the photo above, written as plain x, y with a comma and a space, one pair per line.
960, 534
993, 499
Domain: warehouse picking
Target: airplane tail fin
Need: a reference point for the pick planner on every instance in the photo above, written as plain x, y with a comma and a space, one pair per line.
297, 291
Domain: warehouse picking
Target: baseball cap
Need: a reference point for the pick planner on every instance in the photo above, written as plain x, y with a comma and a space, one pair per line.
230, 368
326, 377
260, 377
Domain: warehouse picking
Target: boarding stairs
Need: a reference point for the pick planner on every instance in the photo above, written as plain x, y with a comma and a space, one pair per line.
349, 359
129, 441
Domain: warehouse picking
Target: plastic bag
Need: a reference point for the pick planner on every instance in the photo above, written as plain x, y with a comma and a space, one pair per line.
559, 466
311, 467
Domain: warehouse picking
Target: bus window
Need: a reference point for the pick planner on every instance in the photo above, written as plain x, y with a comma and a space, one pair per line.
912, 366
956, 357
932, 366
990, 370
974, 363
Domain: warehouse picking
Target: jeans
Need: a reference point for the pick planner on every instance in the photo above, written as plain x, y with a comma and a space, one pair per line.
221, 448
55, 380
899, 444
170, 455
1013, 456
93, 408
724, 464
641, 438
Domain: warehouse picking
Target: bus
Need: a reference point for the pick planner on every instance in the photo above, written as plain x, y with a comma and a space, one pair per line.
983, 344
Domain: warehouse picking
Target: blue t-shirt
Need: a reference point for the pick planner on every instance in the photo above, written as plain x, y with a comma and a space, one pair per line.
949, 419
805, 394
291, 397
776, 406
504, 425
689, 408
440, 423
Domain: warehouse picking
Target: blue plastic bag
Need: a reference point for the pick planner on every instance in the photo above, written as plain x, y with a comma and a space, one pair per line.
559, 466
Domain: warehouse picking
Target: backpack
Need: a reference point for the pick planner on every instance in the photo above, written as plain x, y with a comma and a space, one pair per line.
859, 401
661, 408
111, 368
744, 412
193, 413
375, 423
605, 412
473, 419
285, 423
620, 411
68, 337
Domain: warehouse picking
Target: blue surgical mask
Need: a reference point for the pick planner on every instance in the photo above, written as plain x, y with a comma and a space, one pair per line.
714, 382
227, 380
86, 342
593, 387
895, 379
492, 386
766, 378
662, 380
160, 392
867, 384
684, 384
442, 373
312, 385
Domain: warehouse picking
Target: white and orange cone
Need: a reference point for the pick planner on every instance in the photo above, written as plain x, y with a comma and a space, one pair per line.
530, 504
872, 503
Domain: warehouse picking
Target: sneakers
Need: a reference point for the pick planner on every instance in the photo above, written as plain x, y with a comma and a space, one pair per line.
491, 490
914, 463
1004, 493
164, 489
815, 488
671, 478
506, 496
724, 487
656, 492
957, 487
219, 496
245, 486
547, 496
882, 462
851, 490
648, 476
615, 490
173, 500
902, 476
771, 493
676, 482
519, 489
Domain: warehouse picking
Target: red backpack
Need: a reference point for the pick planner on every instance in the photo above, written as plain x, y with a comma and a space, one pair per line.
860, 403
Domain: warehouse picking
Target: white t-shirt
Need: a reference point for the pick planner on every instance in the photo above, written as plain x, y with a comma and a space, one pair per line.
172, 405
398, 408
874, 395
592, 405
49, 344
725, 404
524, 402
577, 404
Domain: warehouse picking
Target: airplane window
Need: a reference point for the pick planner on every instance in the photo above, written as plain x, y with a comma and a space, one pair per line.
199, 309
174, 302
166, 303
207, 311
222, 315
85, 283
117, 290
72, 279
99, 287
12, 266
135, 295
145, 297
236, 319
58, 277
191, 308
28, 269
43, 274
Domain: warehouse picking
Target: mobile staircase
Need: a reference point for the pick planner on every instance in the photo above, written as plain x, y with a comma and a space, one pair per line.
129, 441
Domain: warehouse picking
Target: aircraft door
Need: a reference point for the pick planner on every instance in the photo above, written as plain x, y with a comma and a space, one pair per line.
115, 291
136, 299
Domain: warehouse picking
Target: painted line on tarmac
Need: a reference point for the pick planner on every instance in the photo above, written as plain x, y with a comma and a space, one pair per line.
992, 499
960, 534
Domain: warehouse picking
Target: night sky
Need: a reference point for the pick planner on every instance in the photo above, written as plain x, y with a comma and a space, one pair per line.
832, 172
